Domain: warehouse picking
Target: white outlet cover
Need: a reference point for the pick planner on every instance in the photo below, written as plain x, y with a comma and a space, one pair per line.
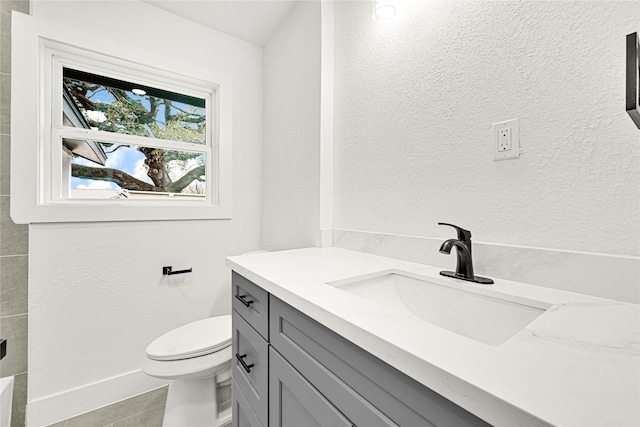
514, 152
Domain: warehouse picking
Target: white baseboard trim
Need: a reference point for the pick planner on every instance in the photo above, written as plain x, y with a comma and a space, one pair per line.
70, 403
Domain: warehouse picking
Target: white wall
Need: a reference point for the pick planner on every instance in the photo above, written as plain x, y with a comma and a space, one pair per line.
97, 296
415, 101
291, 180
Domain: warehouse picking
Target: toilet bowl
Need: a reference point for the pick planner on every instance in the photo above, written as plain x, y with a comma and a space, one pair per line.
196, 358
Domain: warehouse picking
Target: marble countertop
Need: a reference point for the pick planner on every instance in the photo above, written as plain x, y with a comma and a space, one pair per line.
577, 364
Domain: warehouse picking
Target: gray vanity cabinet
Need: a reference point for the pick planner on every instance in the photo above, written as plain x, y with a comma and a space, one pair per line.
243, 415
251, 365
317, 377
295, 402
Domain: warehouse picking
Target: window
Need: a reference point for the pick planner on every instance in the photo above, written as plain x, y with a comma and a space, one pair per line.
119, 135
116, 163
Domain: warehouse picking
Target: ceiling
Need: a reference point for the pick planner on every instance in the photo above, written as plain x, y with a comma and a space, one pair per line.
254, 21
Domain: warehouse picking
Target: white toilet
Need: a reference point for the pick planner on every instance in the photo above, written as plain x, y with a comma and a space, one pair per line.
197, 358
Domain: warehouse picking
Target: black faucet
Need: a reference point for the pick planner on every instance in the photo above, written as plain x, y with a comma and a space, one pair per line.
464, 266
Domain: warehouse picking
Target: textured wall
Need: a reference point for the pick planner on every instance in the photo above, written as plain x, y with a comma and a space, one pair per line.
97, 295
415, 101
291, 159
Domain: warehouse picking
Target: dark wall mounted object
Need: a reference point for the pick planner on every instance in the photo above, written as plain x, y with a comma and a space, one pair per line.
168, 271
633, 78
3, 348
464, 265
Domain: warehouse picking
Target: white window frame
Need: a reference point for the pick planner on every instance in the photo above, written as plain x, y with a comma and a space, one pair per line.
40, 51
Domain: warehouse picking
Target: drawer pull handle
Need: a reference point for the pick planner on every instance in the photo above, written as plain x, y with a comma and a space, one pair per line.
243, 363
243, 300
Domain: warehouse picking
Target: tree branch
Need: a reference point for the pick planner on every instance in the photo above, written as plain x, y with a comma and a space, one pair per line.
124, 180
117, 147
188, 178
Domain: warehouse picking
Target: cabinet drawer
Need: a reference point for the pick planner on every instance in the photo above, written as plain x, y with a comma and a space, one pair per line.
295, 402
252, 303
379, 393
250, 365
243, 415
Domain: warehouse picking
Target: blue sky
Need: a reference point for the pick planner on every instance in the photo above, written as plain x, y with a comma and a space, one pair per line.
126, 159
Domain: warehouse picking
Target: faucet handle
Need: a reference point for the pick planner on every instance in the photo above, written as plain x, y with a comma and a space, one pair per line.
463, 235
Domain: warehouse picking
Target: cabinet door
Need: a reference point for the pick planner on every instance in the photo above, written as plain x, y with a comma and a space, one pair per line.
250, 365
294, 402
243, 415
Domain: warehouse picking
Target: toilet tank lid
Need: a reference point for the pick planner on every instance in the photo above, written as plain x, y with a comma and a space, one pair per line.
194, 339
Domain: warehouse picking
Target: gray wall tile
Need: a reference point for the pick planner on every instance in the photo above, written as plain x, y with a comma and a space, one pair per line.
13, 285
5, 88
19, 400
5, 44
6, 6
14, 330
5, 165
14, 238
5, 120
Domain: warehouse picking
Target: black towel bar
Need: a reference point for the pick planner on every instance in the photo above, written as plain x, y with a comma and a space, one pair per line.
168, 271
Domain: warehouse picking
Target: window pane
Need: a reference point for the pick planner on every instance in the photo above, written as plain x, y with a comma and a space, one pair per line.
113, 171
111, 105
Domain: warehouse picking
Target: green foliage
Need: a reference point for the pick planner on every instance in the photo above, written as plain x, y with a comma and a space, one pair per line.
122, 113
118, 111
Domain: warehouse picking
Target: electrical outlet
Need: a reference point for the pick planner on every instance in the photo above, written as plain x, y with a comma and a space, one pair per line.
506, 140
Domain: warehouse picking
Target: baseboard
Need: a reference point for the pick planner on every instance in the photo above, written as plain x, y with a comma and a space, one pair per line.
70, 403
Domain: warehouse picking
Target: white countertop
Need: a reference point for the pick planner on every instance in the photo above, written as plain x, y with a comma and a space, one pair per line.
578, 364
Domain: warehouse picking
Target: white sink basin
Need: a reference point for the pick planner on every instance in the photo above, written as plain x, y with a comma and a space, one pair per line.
473, 311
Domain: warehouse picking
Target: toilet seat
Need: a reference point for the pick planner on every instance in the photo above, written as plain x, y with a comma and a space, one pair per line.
210, 365
199, 338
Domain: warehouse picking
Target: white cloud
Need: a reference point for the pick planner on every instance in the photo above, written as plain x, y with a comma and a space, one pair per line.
140, 172
98, 185
96, 116
82, 161
116, 159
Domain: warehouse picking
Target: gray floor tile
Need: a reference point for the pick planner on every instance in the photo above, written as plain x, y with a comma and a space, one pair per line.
143, 402
98, 418
151, 418
120, 410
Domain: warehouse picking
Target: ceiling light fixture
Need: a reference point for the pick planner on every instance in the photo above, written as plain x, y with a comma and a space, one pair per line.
139, 92
383, 10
